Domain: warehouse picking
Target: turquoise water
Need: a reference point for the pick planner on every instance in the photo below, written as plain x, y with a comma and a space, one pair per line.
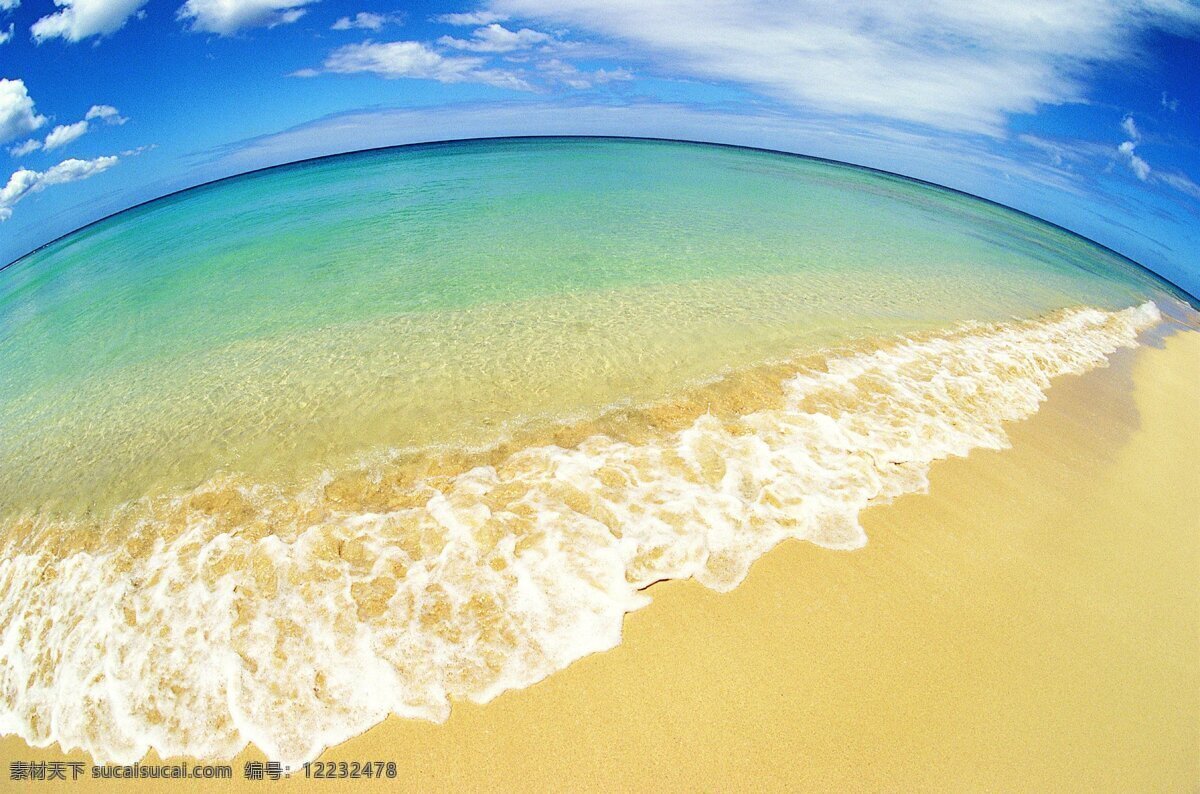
289, 453
439, 294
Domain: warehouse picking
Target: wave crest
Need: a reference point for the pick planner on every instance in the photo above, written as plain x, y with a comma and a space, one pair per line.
296, 619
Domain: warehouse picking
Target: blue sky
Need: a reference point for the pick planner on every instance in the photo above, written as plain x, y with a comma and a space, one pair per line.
1083, 112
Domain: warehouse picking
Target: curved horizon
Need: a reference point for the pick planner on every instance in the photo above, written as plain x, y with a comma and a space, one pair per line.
429, 421
1192, 299
364, 366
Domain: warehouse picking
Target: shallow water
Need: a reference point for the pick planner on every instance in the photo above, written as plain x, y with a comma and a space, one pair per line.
275, 323
294, 451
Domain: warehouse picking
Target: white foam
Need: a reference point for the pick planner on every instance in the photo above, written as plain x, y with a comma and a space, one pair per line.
301, 639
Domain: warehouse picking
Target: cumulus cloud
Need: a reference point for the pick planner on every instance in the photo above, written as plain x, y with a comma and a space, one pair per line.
9, 5
1141, 168
227, 17
950, 65
63, 134
467, 19
1095, 157
1130, 128
1136, 164
497, 38
413, 59
17, 113
6, 36
19, 184
28, 147
107, 113
25, 181
365, 20
80, 19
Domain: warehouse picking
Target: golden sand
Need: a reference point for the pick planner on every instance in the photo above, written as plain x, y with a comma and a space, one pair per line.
1031, 624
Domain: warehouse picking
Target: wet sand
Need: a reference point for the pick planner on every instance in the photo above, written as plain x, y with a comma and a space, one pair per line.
1033, 623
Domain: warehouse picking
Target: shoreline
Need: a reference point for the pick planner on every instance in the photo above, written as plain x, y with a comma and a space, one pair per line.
824, 666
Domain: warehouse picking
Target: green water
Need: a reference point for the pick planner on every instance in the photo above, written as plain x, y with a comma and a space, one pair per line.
284, 321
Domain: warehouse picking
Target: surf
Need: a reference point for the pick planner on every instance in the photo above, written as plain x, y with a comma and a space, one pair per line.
195, 622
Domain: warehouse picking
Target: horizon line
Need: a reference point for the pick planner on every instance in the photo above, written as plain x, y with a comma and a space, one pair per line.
1194, 300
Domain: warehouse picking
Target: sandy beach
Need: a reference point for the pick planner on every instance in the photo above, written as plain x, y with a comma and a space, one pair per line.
1033, 623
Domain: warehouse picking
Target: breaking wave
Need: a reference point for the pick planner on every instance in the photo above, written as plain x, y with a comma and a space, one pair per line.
295, 618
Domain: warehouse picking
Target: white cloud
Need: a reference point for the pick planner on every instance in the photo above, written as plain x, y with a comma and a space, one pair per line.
494, 55
80, 19
365, 20
139, 150
108, 113
1057, 153
571, 76
6, 36
28, 147
17, 113
1180, 182
227, 17
24, 181
1169, 103
1130, 128
19, 184
1136, 164
9, 5
1141, 168
73, 170
497, 38
947, 64
467, 19
1068, 153
413, 59
63, 134
1096, 157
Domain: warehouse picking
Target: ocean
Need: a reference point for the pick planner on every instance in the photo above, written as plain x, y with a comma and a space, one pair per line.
287, 453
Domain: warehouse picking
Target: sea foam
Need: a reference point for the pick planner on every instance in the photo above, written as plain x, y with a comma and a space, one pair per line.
295, 619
